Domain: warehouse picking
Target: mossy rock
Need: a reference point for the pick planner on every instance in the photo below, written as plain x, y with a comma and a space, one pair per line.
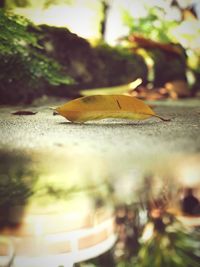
168, 67
17, 84
74, 53
38, 60
90, 66
119, 65
25, 71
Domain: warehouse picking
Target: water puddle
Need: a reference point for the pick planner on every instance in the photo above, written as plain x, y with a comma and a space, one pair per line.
65, 209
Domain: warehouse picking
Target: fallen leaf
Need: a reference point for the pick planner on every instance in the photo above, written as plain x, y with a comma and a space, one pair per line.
23, 112
120, 89
106, 106
141, 41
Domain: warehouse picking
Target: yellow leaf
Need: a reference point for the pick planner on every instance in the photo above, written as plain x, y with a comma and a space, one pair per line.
120, 89
105, 106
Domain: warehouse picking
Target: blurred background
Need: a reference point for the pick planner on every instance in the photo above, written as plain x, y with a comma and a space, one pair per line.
67, 46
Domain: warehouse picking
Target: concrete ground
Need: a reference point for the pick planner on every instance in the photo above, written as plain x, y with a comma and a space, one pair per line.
151, 136
122, 145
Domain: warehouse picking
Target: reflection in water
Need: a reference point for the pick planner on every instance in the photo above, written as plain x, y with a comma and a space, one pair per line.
7, 251
58, 209
54, 209
17, 177
190, 203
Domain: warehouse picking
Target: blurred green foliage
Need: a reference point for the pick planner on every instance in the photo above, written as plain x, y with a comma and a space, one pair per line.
27, 3
153, 26
173, 247
183, 31
168, 244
